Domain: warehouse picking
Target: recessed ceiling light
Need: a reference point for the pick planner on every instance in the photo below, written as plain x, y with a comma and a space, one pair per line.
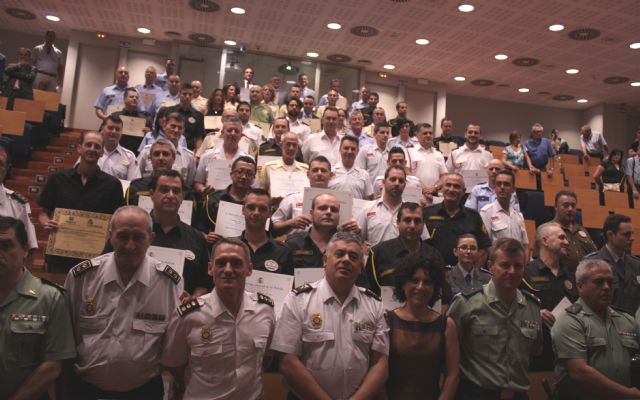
556, 27
389, 66
635, 45
572, 71
230, 42
635, 84
334, 25
466, 8
523, 90
52, 18
459, 78
312, 54
238, 10
582, 100
422, 42
501, 57
144, 30
101, 35
291, 82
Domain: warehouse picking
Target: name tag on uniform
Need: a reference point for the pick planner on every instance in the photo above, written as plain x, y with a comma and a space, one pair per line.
149, 316
540, 279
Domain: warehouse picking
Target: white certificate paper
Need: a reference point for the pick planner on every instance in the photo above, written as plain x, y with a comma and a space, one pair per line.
473, 177
112, 108
562, 305
276, 286
283, 183
185, 210
357, 207
412, 194
219, 173
133, 126
229, 221
262, 160
171, 257
314, 124
307, 275
125, 185
447, 148
344, 198
212, 122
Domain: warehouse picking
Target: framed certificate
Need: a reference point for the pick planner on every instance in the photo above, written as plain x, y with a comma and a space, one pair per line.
80, 234
307, 275
171, 257
344, 198
282, 183
219, 173
212, 122
133, 126
276, 286
185, 211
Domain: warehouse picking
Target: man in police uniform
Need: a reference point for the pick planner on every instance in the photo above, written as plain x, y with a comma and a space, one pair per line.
162, 154
222, 337
332, 336
116, 160
618, 230
13, 204
499, 329
383, 257
465, 275
551, 282
267, 254
485, 193
593, 343
500, 218
580, 243
132, 108
35, 331
112, 95
120, 304
308, 247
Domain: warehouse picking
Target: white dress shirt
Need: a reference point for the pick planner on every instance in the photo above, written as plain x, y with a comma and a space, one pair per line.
501, 223
354, 180
319, 144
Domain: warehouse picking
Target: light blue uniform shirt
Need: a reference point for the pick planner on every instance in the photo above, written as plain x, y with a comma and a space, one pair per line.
397, 142
111, 95
482, 194
149, 139
147, 89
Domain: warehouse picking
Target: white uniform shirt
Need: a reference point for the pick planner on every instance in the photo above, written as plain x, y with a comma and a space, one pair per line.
47, 62
373, 160
426, 164
253, 133
595, 143
319, 144
355, 180
185, 163
377, 223
504, 224
301, 129
465, 159
290, 207
121, 163
334, 341
200, 104
217, 153
378, 185
17, 206
223, 354
120, 328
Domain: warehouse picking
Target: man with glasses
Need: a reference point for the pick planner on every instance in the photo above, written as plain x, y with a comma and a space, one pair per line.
465, 276
485, 193
500, 219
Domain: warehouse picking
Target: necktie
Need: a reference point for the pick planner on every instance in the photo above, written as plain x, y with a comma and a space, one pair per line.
620, 267
468, 279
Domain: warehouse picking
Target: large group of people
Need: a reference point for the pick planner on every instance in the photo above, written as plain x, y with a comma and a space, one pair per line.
474, 311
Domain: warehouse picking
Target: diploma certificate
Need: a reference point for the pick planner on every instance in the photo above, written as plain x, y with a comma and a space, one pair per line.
185, 211
171, 257
344, 198
80, 234
219, 173
133, 126
473, 177
276, 286
229, 221
212, 122
283, 183
307, 275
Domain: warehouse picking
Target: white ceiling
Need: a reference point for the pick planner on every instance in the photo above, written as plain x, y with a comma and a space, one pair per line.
461, 44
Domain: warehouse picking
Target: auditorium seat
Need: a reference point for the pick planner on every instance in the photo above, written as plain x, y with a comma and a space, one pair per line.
594, 216
616, 200
534, 207
570, 158
525, 180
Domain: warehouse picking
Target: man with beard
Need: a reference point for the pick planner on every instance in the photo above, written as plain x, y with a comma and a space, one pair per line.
294, 107
470, 156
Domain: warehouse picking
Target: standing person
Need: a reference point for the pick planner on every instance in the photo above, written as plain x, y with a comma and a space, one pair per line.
48, 62
20, 77
169, 69
540, 151
499, 329
348, 356
610, 174
228, 318
36, 332
423, 343
470, 156
148, 90
593, 143
373, 157
500, 219
347, 176
305, 90
120, 304
116, 160
485, 193
515, 154
215, 103
193, 119
132, 106
593, 343
325, 142
199, 102
112, 96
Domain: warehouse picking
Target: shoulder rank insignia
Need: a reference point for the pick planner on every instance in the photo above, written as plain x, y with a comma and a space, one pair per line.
172, 274
20, 198
470, 293
574, 308
188, 308
527, 286
532, 297
50, 283
370, 293
82, 268
264, 299
302, 289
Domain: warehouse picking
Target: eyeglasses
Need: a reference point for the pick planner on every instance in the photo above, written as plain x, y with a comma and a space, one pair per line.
242, 172
467, 248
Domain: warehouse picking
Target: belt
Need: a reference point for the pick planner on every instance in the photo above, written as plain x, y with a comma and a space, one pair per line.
478, 392
47, 73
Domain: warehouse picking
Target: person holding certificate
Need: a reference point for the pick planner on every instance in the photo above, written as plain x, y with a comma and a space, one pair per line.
348, 177
84, 188
162, 155
132, 107
194, 120
112, 97
287, 163
116, 160
228, 318
469, 157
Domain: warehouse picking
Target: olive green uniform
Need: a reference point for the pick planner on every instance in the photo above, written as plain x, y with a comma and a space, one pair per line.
496, 342
606, 346
34, 327
580, 244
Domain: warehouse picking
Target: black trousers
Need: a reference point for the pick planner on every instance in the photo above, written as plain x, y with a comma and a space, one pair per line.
83, 390
468, 390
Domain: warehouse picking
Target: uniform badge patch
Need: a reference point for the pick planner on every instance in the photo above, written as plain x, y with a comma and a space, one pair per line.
191, 120
568, 285
205, 334
271, 265
90, 306
316, 320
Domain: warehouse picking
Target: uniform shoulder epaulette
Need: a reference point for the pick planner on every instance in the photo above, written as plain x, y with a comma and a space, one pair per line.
186, 150
525, 284
591, 255
264, 299
486, 271
532, 297
620, 310
82, 268
50, 283
170, 273
470, 293
372, 294
18, 197
302, 289
448, 267
574, 308
188, 308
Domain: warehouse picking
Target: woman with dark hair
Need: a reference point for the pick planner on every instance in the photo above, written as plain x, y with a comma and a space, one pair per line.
231, 93
215, 103
423, 342
515, 155
610, 175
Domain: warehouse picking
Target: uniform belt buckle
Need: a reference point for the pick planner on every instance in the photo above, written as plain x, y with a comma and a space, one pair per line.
507, 394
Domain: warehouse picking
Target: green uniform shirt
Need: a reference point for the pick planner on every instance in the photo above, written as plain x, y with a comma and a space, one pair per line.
496, 342
262, 113
606, 345
34, 327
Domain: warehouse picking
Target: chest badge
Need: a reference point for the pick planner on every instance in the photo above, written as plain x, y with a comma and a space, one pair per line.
191, 120
271, 265
90, 306
205, 333
568, 285
316, 320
